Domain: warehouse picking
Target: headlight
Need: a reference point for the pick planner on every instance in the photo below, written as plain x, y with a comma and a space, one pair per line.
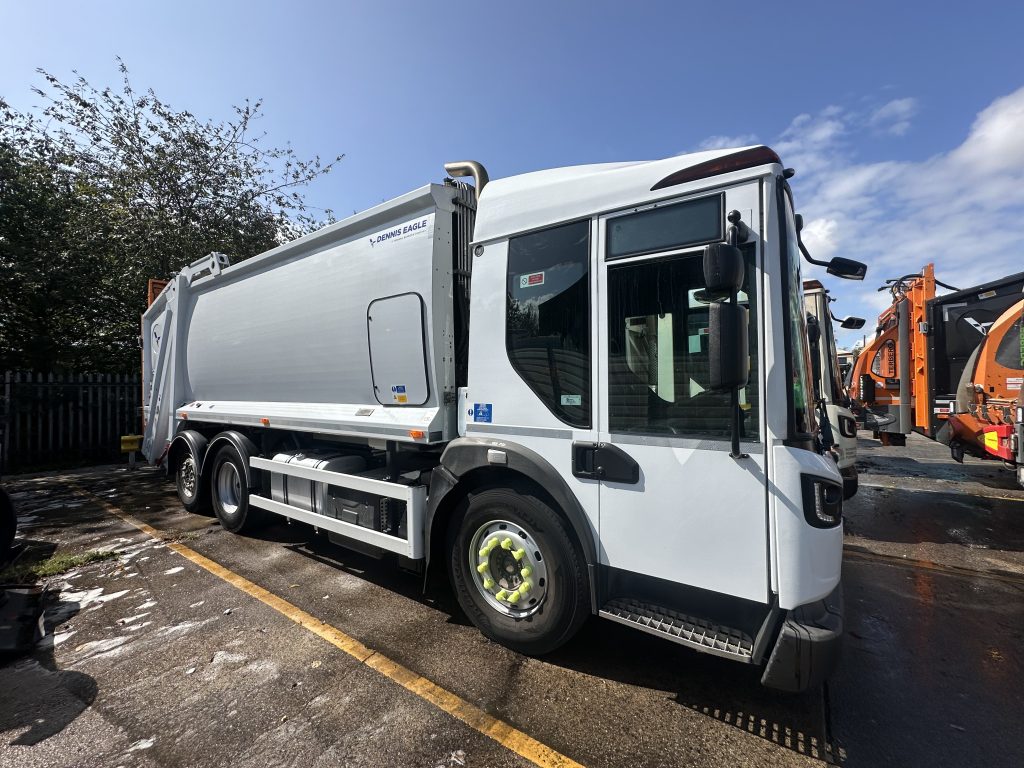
823, 501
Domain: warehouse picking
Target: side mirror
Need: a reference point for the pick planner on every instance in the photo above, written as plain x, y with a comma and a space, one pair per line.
848, 269
729, 357
723, 269
852, 323
866, 385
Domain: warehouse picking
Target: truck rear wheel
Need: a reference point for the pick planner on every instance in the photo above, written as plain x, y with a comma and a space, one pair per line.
230, 493
194, 496
516, 570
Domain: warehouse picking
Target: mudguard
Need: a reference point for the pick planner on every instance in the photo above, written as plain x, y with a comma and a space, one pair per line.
186, 440
246, 448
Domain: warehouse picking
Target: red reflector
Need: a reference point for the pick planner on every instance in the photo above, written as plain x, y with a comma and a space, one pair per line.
183, 415
265, 421
748, 158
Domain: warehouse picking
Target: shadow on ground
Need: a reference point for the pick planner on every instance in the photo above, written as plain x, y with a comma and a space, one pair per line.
41, 700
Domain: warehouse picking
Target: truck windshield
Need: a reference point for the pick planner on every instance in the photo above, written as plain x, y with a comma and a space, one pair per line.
799, 363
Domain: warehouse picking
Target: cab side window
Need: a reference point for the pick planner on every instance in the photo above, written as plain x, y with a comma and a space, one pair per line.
1010, 353
547, 317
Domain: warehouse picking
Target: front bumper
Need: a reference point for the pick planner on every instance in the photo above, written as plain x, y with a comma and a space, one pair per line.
808, 647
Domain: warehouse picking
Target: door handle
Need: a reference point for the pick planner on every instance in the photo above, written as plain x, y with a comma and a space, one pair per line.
604, 461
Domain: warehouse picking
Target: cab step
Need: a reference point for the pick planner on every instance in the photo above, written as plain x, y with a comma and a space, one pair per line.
680, 628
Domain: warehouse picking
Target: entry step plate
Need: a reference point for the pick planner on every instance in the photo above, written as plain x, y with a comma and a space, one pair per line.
680, 628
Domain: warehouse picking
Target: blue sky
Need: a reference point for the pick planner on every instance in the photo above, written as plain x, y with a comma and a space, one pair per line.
905, 122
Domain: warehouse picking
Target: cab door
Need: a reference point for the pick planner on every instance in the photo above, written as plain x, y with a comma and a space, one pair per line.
673, 504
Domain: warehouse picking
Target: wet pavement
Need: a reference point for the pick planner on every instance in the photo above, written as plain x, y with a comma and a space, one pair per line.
156, 661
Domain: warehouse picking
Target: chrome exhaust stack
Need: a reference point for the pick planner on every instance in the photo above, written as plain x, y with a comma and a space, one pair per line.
472, 168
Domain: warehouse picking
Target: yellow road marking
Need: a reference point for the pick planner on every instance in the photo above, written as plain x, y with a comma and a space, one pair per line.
509, 737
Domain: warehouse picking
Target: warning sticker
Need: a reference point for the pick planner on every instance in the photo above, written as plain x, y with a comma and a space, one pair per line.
1014, 382
992, 441
398, 394
531, 280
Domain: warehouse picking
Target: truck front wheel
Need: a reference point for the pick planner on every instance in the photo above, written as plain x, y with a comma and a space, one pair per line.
230, 493
516, 570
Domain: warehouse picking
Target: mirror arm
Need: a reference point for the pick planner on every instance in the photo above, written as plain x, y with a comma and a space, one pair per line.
738, 232
735, 452
811, 259
734, 401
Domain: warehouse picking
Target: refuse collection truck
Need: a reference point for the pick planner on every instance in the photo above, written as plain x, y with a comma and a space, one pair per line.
948, 367
831, 395
989, 407
579, 391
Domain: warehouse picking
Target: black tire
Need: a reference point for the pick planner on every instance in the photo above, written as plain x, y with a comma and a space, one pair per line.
229, 493
192, 492
564, 604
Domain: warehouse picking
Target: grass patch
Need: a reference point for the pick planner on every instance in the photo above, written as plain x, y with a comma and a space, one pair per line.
22, 573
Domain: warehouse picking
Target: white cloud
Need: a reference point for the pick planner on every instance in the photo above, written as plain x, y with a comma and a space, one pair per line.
820, 238
894, 117
997, 137
958, 208
727, 142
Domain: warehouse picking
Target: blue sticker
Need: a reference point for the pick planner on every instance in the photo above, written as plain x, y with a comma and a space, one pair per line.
482, 412
398, 389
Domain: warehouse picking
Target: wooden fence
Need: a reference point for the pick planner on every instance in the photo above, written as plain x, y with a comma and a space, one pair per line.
50, 421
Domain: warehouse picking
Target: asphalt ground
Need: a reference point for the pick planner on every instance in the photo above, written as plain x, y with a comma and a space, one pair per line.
198, 647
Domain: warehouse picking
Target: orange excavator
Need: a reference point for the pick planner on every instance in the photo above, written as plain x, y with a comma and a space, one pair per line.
949, 367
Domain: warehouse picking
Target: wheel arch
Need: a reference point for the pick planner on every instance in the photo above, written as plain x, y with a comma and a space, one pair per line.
465, 467
187, 440
240, 442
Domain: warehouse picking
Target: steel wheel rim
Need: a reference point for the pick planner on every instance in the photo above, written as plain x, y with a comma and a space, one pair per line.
188, 476
502, 557
229, 488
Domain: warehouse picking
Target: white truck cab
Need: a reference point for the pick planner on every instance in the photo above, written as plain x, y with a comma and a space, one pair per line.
581, 391
831, 392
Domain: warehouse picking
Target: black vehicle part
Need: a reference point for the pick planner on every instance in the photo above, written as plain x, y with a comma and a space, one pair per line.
229, 492
604, 461
185, 460
243, 446
808, 647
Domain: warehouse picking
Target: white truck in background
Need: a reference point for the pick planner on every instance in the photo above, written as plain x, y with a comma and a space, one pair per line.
831, 393
581, 391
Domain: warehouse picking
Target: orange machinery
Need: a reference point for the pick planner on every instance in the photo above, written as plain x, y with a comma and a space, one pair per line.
929, 350
989, 408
